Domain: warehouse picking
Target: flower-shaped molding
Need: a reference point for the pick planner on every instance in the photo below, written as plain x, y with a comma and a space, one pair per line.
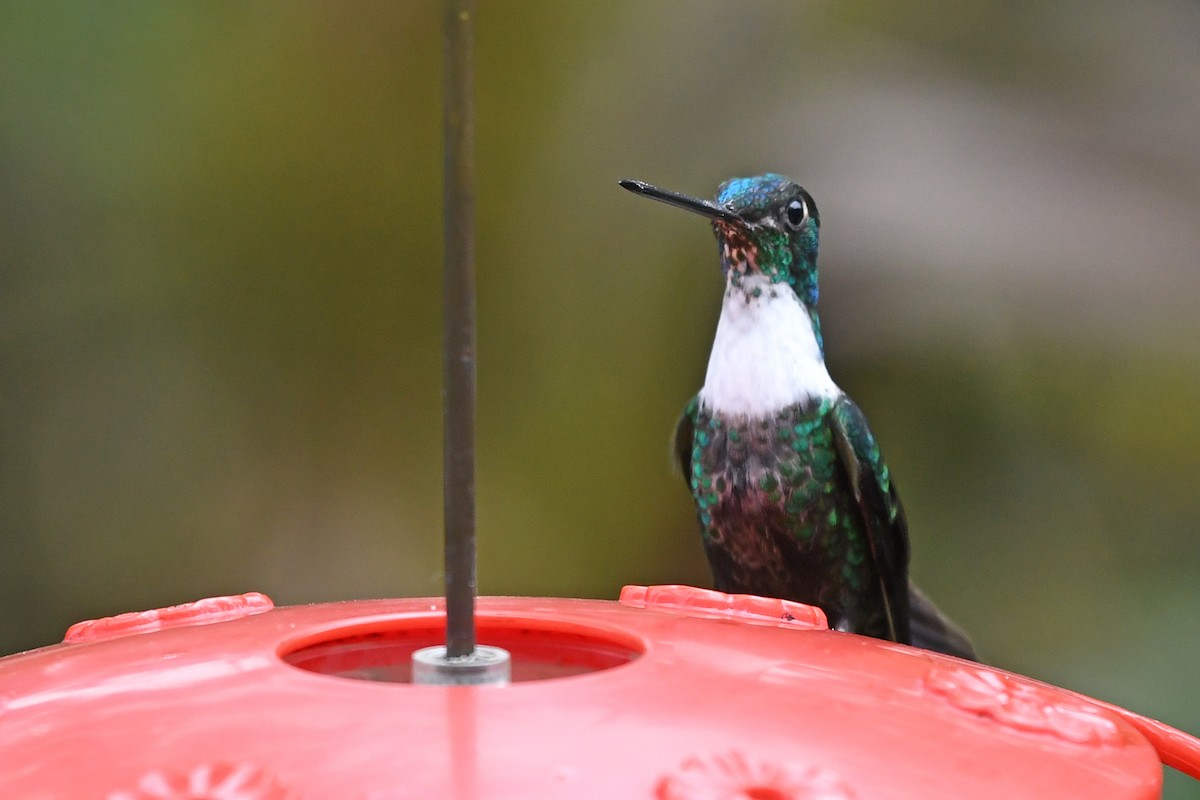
201, 612
243, 781
1024, 705
734, 776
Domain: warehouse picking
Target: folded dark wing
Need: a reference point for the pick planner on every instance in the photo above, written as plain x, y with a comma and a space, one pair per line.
879, 506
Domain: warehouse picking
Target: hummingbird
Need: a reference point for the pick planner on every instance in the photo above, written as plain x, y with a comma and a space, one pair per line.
792, 492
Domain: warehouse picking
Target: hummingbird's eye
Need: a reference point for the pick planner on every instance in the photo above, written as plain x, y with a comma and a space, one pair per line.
796, 213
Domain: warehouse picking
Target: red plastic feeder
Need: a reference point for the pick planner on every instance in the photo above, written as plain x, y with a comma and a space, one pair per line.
673, 693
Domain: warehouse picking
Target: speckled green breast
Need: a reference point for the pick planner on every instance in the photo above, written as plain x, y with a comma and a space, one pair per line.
777, 514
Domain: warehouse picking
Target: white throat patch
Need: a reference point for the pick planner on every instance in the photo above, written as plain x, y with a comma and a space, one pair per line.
765, 355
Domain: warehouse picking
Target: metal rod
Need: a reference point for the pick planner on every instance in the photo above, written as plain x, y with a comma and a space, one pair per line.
458, 301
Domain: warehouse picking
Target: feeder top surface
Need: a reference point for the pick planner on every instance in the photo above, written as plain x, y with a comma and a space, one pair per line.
674, 693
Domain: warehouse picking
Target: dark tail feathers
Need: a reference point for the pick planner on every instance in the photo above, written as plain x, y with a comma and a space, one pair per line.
933, 631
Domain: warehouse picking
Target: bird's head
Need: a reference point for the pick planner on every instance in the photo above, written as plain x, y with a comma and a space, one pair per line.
766, 225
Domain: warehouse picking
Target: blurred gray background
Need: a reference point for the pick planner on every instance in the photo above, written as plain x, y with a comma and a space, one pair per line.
220, 244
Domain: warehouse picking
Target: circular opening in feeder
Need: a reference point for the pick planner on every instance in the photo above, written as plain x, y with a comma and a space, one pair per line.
540, 649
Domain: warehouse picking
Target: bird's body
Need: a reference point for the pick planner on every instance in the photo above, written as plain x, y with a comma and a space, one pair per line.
793, 496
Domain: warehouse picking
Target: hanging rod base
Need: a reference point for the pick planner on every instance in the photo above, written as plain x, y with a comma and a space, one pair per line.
486, 666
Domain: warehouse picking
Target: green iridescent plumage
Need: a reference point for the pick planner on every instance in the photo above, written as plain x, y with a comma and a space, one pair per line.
792, 493
787, 502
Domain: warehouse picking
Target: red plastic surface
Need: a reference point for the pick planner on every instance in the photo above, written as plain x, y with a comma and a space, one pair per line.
1177, 749
711, 604
200, 612
663, 704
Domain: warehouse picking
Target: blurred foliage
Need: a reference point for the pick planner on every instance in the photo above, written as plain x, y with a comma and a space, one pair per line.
220, 247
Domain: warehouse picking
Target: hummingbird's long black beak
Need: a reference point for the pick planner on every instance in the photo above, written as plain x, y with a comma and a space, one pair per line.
705, 208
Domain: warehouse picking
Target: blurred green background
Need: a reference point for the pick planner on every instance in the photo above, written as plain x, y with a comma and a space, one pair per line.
220, 245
